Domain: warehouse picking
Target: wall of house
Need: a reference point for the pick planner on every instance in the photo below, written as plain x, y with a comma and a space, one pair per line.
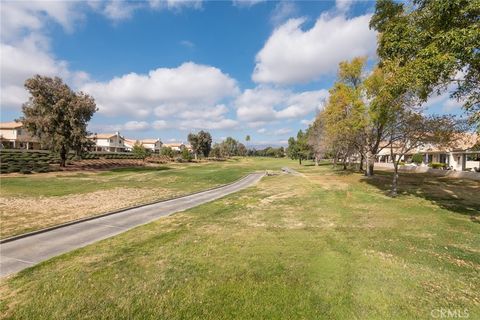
472, 164
443, 173
19, 139
436, 172
456, 161
9, 134
115, 142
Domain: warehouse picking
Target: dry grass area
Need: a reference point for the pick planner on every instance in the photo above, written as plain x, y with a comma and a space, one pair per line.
31, 202
326, 245
31, 212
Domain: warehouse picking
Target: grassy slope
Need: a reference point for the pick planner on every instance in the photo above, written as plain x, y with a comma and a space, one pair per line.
324, 246
174, 179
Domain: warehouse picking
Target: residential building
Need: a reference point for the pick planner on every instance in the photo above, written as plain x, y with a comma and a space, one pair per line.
153, 145
177, 146
463, 154
109, 142
14, 136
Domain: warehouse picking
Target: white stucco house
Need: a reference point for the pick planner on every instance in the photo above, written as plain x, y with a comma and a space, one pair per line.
153, 145
462, 155
14, 136
109, 142
177, 146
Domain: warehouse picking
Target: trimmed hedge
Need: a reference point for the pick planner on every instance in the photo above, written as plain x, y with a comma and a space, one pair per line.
24, 161
27, 161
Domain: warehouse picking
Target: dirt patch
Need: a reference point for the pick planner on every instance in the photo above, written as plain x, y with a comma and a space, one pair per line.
22, 214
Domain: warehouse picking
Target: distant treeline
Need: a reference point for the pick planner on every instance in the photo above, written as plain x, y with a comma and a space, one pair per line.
267, 152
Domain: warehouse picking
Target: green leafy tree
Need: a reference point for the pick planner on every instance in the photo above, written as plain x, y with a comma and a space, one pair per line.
201, 143
205, 142
229, 147
298, 149
436, 44
344, 114
381, 107
57, 115
167, 151
139, 150
186, 154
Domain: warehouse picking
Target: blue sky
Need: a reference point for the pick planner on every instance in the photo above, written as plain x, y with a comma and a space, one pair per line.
166, 68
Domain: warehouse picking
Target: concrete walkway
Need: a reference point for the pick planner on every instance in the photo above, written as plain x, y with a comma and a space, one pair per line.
22, 253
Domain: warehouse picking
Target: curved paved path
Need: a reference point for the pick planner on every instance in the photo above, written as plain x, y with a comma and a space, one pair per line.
22, 253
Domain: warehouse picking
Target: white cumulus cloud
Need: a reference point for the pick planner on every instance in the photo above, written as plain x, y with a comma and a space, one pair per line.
293, 55
163, 91
263, 104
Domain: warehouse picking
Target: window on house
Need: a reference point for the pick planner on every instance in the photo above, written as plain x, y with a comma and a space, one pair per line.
443, 158
473, 157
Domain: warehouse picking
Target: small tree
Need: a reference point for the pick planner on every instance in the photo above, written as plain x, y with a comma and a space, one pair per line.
186, 154
139, 150
229, 147
242, 150
316, 138
216, 151
299, 148
166, 151
57, 115
412, 130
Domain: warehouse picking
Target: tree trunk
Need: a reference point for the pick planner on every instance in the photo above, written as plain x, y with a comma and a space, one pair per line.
300, 161
370, 162
394, 190
361, 162
63, 157
195, 155
345, 163
316, 161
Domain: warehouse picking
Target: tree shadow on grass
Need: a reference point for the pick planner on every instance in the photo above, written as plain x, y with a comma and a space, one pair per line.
458, 195
320, 164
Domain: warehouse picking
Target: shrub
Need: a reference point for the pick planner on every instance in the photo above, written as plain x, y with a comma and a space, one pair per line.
25, 171
42, 169
186, 155
13, 169
437, 165
417, 158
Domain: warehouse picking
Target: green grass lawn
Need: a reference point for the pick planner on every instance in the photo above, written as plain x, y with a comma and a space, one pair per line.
188, 177
31, 202
326, 245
